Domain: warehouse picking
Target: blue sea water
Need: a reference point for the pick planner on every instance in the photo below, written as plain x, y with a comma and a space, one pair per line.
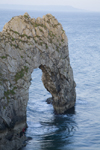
79, 130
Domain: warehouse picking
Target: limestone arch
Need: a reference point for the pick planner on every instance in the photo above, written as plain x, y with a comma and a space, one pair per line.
25, 44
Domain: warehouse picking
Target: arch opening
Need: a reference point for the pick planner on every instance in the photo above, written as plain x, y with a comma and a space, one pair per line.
37, 92
37, 106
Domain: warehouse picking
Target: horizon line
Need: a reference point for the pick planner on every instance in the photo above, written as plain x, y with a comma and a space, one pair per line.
79, 9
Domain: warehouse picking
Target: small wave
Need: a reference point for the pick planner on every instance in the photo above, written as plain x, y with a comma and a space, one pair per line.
81, 102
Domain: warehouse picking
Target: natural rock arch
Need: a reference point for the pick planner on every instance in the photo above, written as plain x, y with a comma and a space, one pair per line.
25, 44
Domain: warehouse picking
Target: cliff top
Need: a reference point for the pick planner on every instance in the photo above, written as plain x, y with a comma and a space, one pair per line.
41, 30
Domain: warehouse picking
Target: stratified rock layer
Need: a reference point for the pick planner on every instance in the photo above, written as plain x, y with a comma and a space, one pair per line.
25, 44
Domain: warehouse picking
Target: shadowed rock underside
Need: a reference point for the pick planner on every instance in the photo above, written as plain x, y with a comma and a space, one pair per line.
25, 44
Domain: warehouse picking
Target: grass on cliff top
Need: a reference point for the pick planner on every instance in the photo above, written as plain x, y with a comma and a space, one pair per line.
37, 25
51, 34
21, 35
26, 16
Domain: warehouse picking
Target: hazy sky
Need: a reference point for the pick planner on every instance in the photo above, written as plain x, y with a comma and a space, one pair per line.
93, 5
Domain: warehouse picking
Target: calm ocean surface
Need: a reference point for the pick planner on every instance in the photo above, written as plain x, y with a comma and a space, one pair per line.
81, 129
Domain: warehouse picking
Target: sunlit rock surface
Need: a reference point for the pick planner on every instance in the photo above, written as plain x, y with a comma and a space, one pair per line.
25, 44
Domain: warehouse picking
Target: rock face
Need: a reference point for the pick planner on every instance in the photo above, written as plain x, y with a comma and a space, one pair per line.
25, 44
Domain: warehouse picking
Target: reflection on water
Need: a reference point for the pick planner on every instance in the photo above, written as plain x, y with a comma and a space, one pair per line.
59, 133
66, 127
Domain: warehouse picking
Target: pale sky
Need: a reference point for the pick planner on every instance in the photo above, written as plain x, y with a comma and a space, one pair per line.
91, 5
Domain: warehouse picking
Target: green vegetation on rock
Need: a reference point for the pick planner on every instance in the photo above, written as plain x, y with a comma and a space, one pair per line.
41, 30
26, 16
14, 31
62, 40
21, 73
46, 46
3, 57
51, 34
8, 93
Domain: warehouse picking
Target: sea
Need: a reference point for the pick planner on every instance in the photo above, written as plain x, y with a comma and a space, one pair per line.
80, 129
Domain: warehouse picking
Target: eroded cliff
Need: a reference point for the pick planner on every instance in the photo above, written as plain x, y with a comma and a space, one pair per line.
25, 44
